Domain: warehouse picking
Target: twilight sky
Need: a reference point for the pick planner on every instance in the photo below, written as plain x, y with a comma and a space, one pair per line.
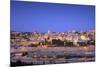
41, 17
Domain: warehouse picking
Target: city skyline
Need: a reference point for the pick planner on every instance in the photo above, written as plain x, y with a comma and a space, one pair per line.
41, 17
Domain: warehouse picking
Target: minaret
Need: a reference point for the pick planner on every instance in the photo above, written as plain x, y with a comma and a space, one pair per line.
49, 31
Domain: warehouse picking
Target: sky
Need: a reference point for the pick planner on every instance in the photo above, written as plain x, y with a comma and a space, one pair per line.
41, 17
